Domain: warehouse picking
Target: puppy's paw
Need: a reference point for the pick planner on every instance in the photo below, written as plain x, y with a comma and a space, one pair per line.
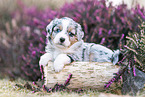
44, 60
58, 66
60, 61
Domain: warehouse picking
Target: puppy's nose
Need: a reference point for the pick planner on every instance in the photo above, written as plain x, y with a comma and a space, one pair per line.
62, 39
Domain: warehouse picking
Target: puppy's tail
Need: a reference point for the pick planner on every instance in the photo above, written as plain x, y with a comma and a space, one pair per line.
115, 56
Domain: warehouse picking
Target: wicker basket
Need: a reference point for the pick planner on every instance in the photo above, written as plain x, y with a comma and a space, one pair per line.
84, 75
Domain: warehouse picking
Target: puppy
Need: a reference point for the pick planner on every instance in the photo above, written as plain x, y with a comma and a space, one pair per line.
65, 45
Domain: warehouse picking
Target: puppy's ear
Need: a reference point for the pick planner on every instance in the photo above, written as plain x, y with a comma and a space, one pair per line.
80, 33
50, 27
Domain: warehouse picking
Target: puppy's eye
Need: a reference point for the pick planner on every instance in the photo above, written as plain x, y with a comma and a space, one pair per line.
71, 34
57, 30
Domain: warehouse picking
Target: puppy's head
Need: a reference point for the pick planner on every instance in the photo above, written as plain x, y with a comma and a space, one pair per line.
64, 32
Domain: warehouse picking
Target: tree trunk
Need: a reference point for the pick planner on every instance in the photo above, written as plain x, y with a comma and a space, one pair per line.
92, 75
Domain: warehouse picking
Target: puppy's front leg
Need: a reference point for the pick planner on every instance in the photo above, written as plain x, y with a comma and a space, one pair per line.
60, 61
44, 59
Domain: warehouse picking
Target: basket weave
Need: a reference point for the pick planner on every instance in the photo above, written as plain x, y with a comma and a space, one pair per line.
84, 75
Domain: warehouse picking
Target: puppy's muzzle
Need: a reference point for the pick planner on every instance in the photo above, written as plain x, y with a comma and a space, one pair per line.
62, 40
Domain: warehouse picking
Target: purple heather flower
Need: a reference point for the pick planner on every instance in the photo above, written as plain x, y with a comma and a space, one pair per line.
134, 71
33, 53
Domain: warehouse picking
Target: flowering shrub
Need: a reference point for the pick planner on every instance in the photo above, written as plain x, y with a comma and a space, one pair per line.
15, 43
134, 60
134, 49
133, 72
32, 24
101, 24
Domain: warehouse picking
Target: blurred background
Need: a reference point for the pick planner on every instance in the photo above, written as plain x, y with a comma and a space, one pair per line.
23, 22
10, 14
130, 3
